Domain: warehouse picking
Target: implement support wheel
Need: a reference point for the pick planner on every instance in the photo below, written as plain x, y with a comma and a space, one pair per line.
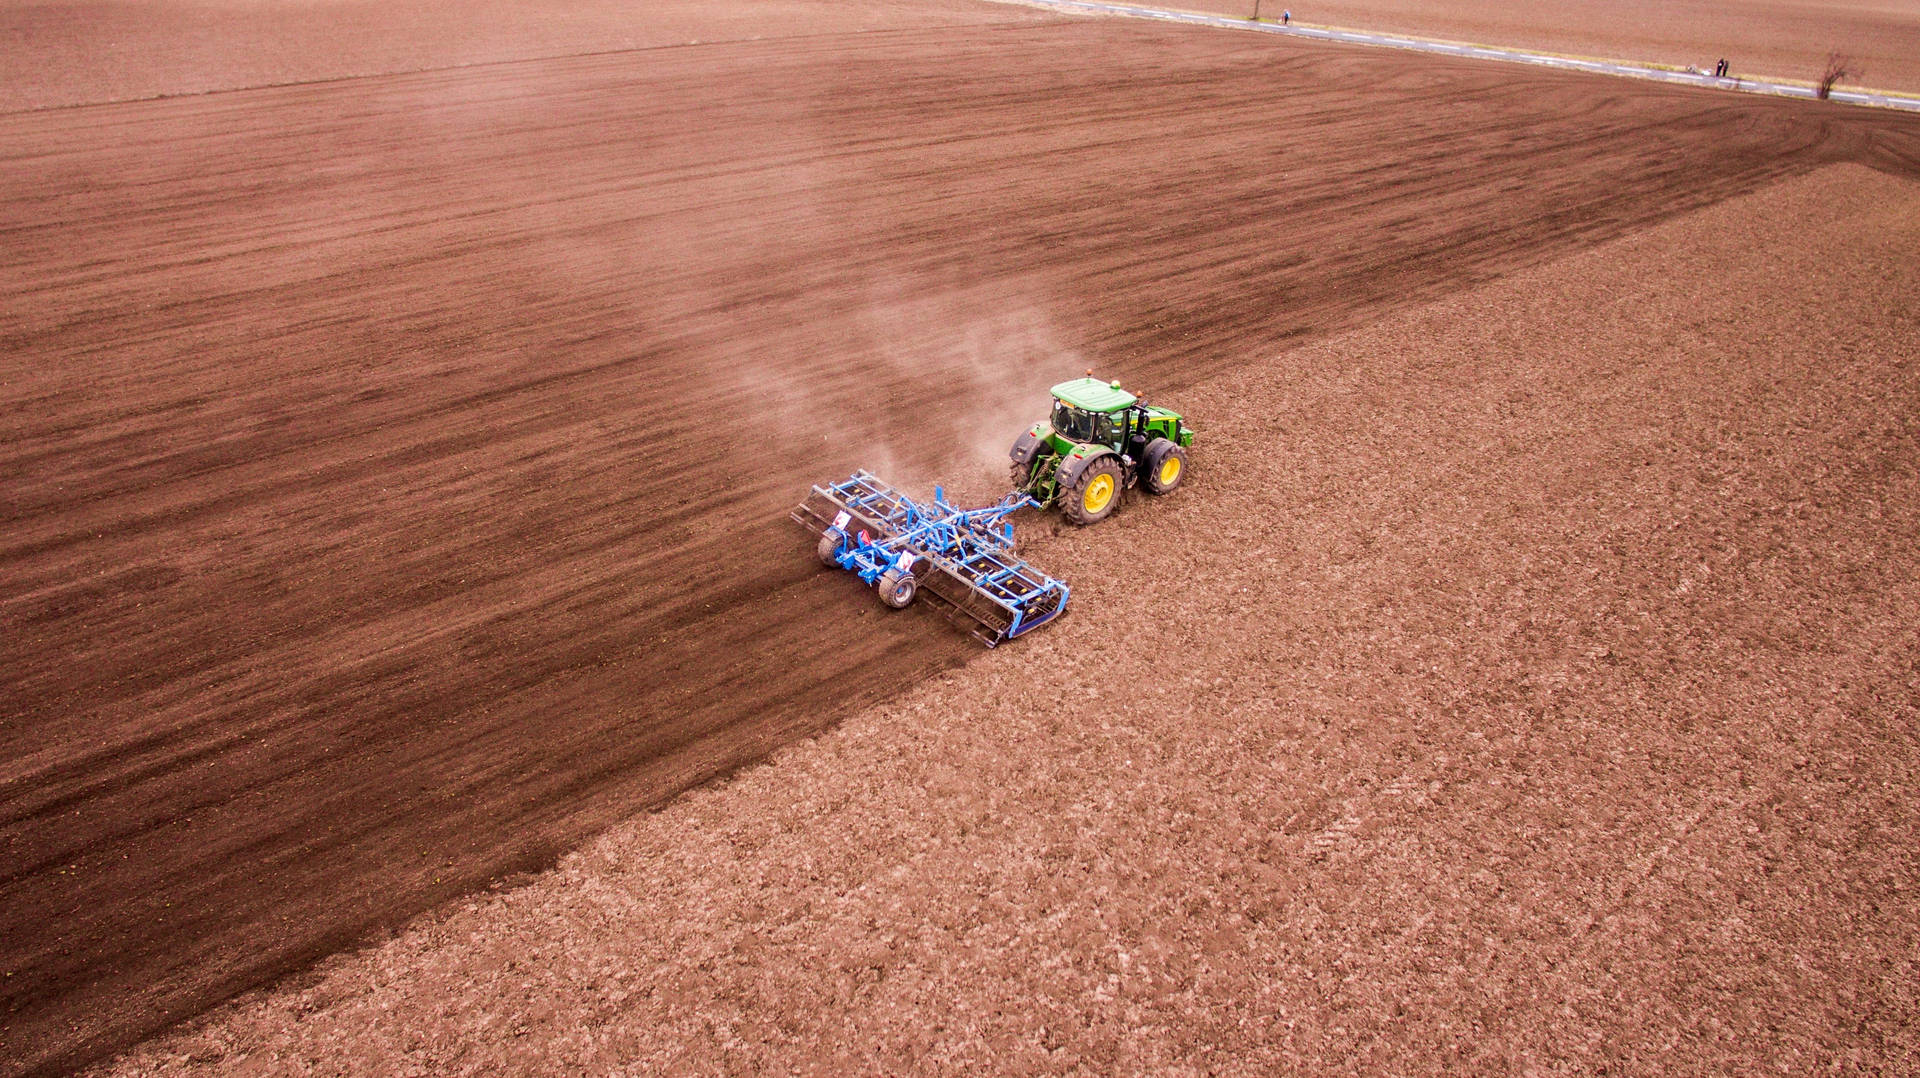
1163, 466
829, 548
897, 588
1092, 498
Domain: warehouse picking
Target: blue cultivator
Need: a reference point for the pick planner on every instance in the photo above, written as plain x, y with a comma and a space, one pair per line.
962, 557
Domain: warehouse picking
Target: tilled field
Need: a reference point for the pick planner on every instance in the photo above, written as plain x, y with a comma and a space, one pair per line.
1526, 683
84, 52
396, 467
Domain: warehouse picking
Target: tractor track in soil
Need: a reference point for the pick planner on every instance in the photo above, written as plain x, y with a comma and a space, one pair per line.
397, 468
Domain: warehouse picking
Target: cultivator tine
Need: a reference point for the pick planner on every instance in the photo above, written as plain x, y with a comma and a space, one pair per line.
987, 621
997, 607
871, 503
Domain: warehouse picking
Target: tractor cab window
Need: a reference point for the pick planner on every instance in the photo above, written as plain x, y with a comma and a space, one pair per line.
1075, 423
1083, 426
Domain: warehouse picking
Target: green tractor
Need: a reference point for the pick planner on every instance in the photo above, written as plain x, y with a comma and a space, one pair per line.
1100, 439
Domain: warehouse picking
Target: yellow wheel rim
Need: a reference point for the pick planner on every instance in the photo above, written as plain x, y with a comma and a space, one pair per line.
1169, 471
1099, 493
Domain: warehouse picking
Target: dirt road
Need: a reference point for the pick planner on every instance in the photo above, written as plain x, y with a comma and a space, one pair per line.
1784, 39
396, 467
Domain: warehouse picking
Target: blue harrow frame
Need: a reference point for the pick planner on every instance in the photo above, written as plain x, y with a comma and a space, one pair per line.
962, 557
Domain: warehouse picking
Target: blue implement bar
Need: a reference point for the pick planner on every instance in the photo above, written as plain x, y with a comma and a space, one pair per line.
962, 557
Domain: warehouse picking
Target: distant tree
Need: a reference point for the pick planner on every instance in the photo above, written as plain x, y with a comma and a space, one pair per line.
1836, 70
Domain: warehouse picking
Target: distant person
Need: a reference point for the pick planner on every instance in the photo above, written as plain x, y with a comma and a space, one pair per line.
1286, 17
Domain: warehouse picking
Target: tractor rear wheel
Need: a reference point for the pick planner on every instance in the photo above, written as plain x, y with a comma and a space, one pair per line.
1092, 497
1017, 475
897, 588
829, 548
1163, 466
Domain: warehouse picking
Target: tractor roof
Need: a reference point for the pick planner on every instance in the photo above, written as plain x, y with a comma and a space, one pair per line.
1093, 395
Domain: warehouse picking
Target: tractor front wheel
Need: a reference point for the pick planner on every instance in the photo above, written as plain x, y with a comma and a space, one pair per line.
897, 588
1092, 498
1163, 466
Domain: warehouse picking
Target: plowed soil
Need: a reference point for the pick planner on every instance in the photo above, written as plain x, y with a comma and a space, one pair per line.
396, 467
78, 52
1526, 683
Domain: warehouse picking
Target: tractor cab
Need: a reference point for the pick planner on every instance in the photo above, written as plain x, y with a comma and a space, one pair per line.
1091, 411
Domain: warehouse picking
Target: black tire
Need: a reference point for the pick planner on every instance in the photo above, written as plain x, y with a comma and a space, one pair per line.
897, 588
830, 547
1093, 497
1017, 475
1163, 467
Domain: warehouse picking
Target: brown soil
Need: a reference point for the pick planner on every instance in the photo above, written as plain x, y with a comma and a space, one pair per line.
1526, 684
397, 467
1783, 39
73, 52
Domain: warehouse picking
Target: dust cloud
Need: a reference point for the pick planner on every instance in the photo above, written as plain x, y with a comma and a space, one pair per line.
986, 356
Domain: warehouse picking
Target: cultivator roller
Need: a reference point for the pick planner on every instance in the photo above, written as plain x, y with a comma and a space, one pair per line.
962, 557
